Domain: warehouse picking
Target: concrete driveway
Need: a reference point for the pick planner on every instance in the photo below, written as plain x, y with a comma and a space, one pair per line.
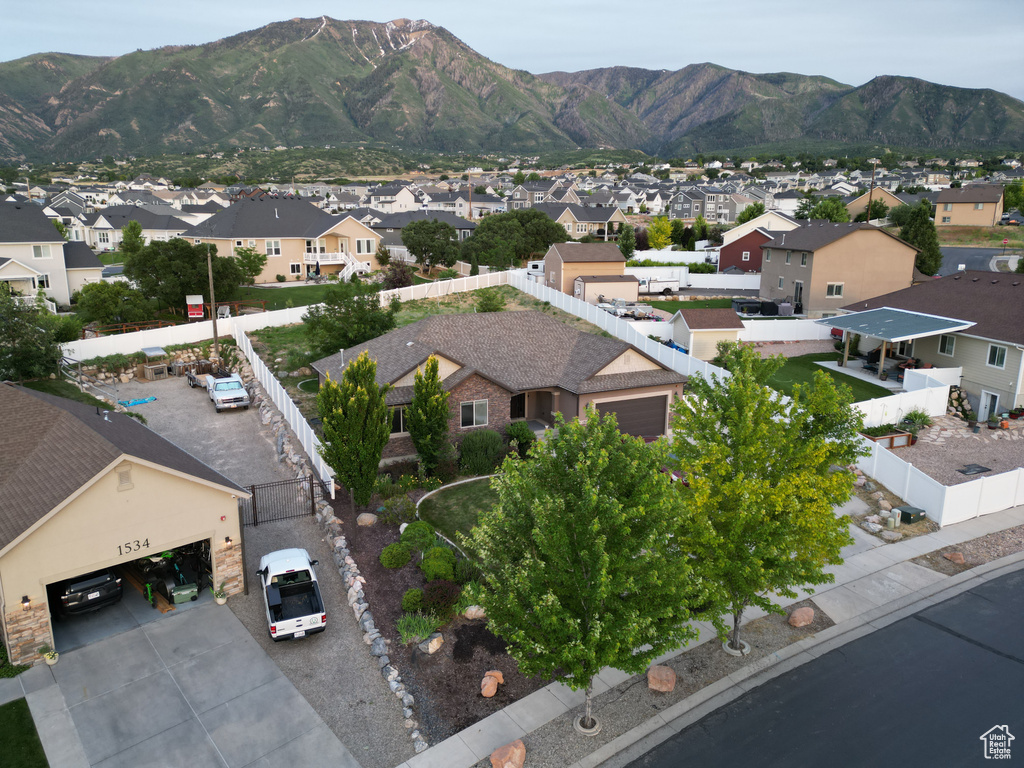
191, 689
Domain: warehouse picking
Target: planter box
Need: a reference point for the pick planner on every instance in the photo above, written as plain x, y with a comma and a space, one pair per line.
896, 439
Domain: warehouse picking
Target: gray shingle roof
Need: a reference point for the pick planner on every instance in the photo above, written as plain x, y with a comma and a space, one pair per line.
517, 350
818, 234
26, 223
78, 255
264, 217
53, 446
119, 215
399, 220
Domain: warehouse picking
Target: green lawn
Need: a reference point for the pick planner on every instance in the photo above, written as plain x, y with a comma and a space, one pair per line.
63, 388
18, 735
113, 257
282, 298
456, 509
800, 370
675, 306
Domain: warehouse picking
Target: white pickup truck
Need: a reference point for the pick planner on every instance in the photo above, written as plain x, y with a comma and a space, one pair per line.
662, 285
225, 389
291, 594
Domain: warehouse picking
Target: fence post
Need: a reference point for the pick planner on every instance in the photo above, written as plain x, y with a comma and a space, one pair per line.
312, 495
252, 492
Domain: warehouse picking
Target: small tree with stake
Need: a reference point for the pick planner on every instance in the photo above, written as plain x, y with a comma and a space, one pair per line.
427, 415
765, 475
356, 426
584, 559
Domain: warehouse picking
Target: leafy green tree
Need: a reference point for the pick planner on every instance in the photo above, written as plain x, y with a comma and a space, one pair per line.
678, 232
534, 176
700, 228
397, 275
170, 270
519, 178
919, 231
879, 210
627, 241
132, 240
900, 214
806, 205
356, 426
496, 242
539, 231
490, 300
752, 211
431, 242
346, 318
29, 346
1013, 197
383, 254
830, 209
428, 414
659, 233
584, 559
765, 475
116, 302
251, 262
61, 227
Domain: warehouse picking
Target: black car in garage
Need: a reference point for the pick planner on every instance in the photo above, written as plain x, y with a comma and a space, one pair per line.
85, 593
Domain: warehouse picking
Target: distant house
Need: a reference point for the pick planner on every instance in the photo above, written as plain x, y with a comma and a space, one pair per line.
580, 222
34, 256
977, 205
296, 236
500, 367
564, 262
824, 266
699, 330
744, 253
103, 230
991, 351
859, 204
388, 227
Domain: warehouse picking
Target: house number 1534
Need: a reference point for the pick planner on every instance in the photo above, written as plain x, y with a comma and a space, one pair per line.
132, 546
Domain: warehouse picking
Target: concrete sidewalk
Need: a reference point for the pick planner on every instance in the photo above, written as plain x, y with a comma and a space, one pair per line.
875, 586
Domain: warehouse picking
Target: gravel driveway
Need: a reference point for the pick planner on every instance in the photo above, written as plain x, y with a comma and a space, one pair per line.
333, 670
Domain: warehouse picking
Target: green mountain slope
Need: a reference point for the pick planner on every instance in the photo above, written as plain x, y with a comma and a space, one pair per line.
412, 85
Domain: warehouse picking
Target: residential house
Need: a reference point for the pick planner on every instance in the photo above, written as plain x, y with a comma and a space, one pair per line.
115, 491
579, 221
698, 331
769, 220
297, 237
393, 198
500, 367
564, 262
530, 193
991, 351
859, 204
821, 266
103, 230
787, 202
977, 205
388, 227
744, 253
34, 256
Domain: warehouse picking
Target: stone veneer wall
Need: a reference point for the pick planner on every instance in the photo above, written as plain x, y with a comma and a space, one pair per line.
228, 566
26, 631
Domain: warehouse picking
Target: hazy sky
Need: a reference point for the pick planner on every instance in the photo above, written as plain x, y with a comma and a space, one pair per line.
973, 44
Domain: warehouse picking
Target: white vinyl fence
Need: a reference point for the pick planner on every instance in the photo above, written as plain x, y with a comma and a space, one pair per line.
892, 409
783, 330
288, 409
726, 282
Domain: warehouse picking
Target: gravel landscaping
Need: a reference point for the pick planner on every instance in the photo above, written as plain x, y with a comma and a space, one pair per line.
949, 444
974, 552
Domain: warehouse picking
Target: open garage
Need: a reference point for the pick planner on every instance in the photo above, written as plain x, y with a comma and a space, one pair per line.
88, 497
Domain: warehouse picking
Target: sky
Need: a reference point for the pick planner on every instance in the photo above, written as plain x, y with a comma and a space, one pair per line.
973, 44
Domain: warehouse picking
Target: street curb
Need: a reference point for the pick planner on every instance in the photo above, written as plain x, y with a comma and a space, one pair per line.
635, 743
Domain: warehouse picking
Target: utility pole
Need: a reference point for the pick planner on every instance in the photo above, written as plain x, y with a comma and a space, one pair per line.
213, 303
871, 190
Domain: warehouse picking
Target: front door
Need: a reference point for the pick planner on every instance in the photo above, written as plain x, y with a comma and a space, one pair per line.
517, 406
798, 292
989, 405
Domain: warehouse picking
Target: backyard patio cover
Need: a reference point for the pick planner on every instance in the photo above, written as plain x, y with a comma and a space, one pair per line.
895, 325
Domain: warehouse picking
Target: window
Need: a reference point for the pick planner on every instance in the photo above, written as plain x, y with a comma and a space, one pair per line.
996, 356
947, 207
273, 247
42, 281
946, 219
398, 425
40, 251
803, 259
581, 227
104, 237
295, 269
780, 283
767, 254
474, 413
238, 243
979, 206
364, 246
746, 256
789, 255
197, 241
946, 345
834, 290
252, 243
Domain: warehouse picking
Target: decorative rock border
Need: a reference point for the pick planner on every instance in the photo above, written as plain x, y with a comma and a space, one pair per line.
291, 452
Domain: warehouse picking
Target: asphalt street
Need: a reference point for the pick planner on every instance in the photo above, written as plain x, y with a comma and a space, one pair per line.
971, 258
922, 691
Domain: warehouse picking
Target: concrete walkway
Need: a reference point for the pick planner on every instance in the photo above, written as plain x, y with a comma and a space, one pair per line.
875, 586
193, 689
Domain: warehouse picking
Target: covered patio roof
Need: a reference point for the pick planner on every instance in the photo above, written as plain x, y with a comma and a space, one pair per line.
895, 325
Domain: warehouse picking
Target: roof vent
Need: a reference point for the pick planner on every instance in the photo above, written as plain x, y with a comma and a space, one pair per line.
1015, 282
994, 282
975, 279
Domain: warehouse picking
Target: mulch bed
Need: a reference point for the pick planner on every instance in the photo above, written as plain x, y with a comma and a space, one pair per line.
446, 685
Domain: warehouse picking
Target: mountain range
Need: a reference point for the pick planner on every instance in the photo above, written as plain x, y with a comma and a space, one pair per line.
413, 85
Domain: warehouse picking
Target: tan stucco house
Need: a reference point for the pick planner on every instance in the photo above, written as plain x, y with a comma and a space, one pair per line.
564, 262
824, 266
500, 367
700, 329
859, 204
295, 235
82, 489
976, 205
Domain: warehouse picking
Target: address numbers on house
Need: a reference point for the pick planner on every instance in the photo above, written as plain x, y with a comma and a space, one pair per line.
132, 546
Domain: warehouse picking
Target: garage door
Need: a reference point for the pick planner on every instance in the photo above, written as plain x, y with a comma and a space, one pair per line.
644, 416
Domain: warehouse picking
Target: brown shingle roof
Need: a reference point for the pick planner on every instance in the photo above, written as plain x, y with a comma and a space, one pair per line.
708, 319
52, 446
993, 301
517, 350
576, 252
818, 234
973, 193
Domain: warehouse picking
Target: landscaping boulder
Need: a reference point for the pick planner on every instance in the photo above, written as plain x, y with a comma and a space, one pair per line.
884, 505
489, 685
509, 756
801, 617
661, 678
366, 519
891, 536
955, 557
432, 644
871, 527
475, 612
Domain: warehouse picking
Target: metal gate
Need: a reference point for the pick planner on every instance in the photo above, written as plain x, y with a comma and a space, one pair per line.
282, 500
